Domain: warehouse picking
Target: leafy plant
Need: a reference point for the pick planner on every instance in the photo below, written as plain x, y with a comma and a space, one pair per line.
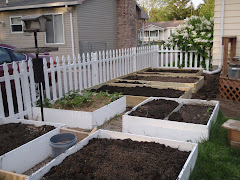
46, 103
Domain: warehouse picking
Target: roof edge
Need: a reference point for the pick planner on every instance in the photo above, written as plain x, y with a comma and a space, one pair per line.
144, 14
57, 4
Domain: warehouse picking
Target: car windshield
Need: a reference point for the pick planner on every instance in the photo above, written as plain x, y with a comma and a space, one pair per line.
4, 56
19, 56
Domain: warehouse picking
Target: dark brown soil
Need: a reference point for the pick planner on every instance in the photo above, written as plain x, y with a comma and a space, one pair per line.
163, 79
141, 91
121, 159
127, 82
196, 114
14, 135
172, 70
210, 89
157, 109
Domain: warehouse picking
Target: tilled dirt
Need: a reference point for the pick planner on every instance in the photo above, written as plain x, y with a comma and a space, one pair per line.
157, 109
13, 135
196, 114
172, 71
210, 89
141, 91
121, 159
163, 79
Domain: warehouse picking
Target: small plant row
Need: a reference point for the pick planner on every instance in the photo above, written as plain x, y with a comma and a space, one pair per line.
74, 99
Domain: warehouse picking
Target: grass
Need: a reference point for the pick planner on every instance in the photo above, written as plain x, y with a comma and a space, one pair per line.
216, 160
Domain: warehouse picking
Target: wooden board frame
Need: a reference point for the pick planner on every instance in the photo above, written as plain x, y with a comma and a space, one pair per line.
132, 101
199, 73
12, 176
195, 86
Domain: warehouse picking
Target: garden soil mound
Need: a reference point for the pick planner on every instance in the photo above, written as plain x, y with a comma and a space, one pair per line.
163, 79
121, 159
196, 114
13, 135
141, 91
157, 109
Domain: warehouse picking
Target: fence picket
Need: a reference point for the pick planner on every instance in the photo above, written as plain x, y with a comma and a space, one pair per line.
104, 67
59, 78
176, 56
53, 79
80, 73
26, 90
186, 60
191, 60
65, 79
32, 82
114, 64
196, 61
18, 89
2, 113
162, 55
89, 70
70, 73
85, 85
171, 57
46, 78
100, 67
110, 64
75, 77
107, 61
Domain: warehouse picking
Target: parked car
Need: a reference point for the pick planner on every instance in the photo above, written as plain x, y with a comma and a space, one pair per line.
7, 55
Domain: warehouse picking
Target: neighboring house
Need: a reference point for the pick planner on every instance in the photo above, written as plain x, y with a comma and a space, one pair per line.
158, 31
226, 23
73, 23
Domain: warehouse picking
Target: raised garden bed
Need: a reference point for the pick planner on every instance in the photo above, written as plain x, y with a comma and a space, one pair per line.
195, 82
136, 93
84, 111
129, 157
177, 119
21, 141
189, 72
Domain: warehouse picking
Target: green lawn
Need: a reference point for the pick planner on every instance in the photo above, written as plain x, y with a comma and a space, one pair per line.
216, 160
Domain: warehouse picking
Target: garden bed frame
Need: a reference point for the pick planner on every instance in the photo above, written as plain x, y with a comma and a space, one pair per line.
132, 101
80, 136
199, 73
15, 160
82, 119
174, 130
184, 146
195, 86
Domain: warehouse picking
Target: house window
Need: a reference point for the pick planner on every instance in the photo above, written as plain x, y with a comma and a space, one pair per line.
16, 24
54, 32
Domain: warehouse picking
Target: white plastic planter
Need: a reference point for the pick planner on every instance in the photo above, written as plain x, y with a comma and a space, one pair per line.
183, 146
180, 131
82, 119
30, 154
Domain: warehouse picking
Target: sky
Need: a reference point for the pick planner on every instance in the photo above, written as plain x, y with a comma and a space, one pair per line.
197, 2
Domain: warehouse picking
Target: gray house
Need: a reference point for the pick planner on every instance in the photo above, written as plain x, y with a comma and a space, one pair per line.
75, 26
158, 31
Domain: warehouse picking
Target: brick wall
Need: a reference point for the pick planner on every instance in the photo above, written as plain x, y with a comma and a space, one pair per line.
127, 23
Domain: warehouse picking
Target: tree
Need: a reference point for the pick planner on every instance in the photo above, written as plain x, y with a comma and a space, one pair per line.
207, 9
151, 4
178, 9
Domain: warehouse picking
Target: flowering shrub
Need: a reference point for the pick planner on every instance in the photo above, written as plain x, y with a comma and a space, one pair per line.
196, 33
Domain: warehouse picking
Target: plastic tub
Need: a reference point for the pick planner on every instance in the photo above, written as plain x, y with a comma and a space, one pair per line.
234, 72
61, 142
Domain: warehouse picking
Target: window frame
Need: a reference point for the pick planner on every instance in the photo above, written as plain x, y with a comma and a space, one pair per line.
10, 19
45, 34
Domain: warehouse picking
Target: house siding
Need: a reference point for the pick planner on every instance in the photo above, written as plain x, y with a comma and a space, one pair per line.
231, 25
97, 21
23, 41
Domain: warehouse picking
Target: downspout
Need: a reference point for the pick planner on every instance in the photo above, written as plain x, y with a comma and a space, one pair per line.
142, 31
220, 43
72, 35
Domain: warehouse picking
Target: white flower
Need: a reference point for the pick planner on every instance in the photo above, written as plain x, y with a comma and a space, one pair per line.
203, 33
190, 45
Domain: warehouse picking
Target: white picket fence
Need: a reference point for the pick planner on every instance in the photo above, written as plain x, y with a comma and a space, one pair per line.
173, 57
68, 74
